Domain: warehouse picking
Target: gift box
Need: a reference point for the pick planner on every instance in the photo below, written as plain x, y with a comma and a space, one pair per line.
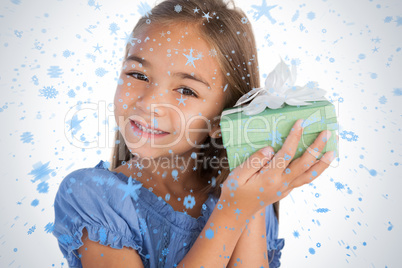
242, 135
271, 114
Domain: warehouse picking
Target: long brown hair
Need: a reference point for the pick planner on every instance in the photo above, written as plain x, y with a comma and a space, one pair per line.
229, 34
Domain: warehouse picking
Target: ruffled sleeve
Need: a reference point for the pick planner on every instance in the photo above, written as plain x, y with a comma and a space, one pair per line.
274, 244
95, 199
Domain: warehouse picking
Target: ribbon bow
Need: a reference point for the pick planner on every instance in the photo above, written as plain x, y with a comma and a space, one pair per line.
279, 89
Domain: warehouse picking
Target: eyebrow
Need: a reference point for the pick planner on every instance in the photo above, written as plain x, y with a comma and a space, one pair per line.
180, 74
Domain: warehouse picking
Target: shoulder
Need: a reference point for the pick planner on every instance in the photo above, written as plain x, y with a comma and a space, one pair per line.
98, 200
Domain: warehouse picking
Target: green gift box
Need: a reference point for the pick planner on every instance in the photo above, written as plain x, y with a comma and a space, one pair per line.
242, 135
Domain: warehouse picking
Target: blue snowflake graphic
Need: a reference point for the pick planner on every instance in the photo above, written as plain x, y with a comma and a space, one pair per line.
144, 9
209, 233
102, 235
43, 187
130, 189
339, 186
65, 239
178, 8
388, 19
99, 180
48, 92
40, 171
349, 135
295, 16
26, 137
66, 53
311, 15
398, 21
31, 230
49, 227
113, 27
71, 93
383, 100
165, 251
100, 72
54, 72
296, 234
397, 91
263, 10
74, 124
190, 58
181, 100
189, 201
233, 184
322, 210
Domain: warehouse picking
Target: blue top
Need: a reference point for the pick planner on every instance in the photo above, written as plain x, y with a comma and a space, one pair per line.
118, 211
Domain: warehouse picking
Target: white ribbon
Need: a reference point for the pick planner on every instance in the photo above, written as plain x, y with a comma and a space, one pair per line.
279, 89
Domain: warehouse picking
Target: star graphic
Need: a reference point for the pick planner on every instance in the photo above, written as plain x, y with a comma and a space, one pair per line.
97, 7
206, 16
375, 49
181, 100
196, 10
97, 48
190, 58
264, 10
130, 189
238, 212
162, 34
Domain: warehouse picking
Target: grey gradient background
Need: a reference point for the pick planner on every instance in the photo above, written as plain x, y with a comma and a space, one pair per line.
362, 226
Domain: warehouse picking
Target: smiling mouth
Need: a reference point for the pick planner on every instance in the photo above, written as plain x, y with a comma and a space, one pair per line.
137, 126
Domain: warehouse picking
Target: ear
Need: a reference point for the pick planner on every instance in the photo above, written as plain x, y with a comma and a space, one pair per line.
215, 130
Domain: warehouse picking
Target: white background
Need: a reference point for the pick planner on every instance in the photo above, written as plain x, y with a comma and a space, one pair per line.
361, 228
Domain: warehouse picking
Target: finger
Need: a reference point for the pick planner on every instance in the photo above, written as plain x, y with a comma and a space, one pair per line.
252, 164
316, 170
283, 157
309, 157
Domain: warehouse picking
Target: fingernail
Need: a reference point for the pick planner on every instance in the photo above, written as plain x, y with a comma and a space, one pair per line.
267, 151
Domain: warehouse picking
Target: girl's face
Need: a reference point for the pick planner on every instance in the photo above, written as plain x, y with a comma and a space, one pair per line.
170, 81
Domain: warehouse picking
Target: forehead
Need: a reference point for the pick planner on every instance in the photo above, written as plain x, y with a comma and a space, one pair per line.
176, 46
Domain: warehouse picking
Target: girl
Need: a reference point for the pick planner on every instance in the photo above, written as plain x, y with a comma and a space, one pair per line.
167, 198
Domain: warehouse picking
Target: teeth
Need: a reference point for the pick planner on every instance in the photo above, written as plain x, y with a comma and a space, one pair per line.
148, 130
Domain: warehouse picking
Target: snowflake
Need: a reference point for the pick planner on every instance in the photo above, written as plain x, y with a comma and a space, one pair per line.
54, 72
397, 91
295, 62
244, 20
31, 230
233, 184
43, 187
383, 100
100, 72
71, 93
26, 137
275, 138
65, 239
296, 234
91, 3
339, 186
178, 8
388, 19
311, 84
144, 9
322, 210
48, 92
165, 251
212, 53
189, 201
113, 27
49, 227
349, 135
66, 53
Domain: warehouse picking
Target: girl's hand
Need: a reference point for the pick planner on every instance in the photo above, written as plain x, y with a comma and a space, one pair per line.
265, 177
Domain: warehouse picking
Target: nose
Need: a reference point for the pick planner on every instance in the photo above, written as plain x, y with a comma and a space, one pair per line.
148, 101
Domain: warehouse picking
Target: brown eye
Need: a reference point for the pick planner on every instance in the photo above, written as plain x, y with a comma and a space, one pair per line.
139, 76
187, 91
